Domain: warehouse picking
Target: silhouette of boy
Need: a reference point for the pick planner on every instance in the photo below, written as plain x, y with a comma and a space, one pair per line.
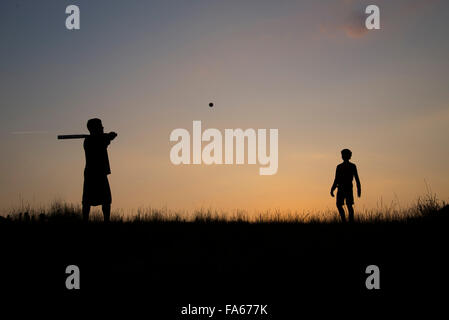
96, 190
344, 174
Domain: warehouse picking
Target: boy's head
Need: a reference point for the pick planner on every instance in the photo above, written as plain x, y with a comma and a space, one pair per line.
95, 126
346, 154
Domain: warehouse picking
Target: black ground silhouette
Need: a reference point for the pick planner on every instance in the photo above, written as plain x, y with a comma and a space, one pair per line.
162, 265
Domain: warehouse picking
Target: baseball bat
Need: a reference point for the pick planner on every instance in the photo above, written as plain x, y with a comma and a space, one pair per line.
72, 136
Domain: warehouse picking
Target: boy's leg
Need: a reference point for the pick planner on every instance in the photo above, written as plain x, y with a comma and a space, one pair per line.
86, 210
349, 204
350, 213
340, 203
341, 211
106, 211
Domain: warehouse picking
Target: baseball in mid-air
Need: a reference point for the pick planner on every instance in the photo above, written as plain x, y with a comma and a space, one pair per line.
211, 104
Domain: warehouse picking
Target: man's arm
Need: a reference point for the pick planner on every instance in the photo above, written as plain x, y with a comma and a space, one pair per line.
109, 137
357, 180
334, 185
112, 135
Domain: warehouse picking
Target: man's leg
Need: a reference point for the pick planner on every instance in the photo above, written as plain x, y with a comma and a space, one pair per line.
350, 212
106, 211
86, 210
341, 211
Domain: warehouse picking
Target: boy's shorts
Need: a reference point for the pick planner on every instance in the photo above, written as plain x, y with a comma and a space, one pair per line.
345, 195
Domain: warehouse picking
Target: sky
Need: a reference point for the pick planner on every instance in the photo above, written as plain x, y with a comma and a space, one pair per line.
307, 68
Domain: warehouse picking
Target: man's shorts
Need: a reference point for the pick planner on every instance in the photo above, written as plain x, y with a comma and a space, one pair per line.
96, 190
345, 196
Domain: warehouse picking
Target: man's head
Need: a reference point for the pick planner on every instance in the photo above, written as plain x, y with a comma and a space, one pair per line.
94, 126
346, 154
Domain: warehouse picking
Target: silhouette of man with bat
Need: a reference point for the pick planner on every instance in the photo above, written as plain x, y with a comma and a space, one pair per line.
345, 173
96, 190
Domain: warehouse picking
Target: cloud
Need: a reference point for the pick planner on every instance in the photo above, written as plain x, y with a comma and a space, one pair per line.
417, 5
348, 19
354, 25
28, 132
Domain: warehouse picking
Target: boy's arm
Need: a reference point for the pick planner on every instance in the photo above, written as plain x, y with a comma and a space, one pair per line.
334, 185
357, 181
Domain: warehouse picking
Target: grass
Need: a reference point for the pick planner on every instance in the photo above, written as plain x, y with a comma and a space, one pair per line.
425, 207
264, 255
